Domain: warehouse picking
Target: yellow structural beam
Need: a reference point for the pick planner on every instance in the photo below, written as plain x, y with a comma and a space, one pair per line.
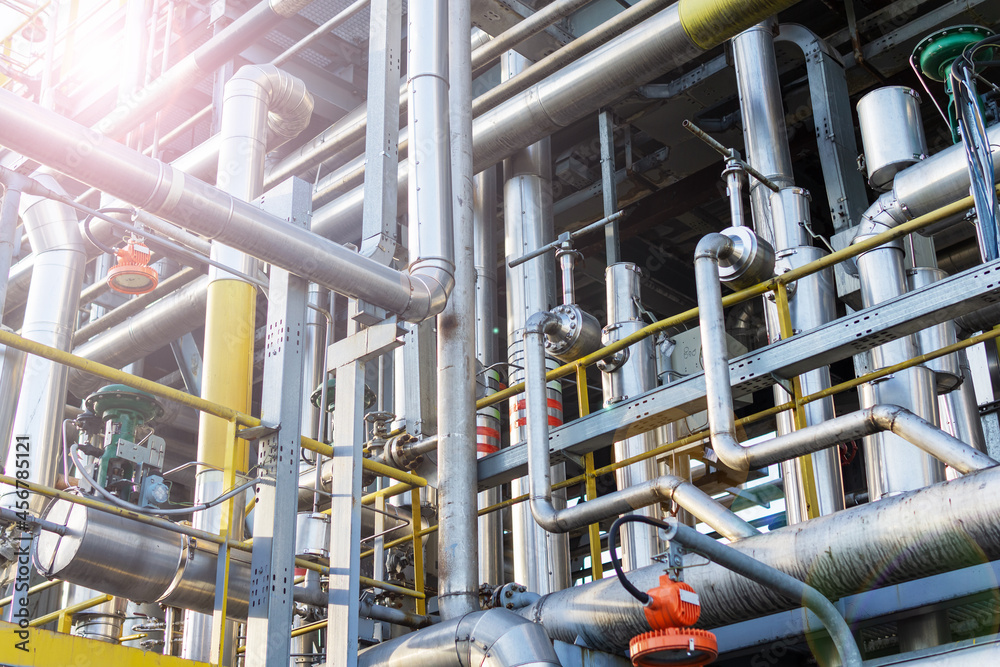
43, 648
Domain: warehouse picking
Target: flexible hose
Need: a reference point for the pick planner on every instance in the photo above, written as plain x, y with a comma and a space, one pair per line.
115, 500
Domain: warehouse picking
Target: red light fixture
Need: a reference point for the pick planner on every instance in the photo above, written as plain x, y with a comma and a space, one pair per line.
132, 273
672, 607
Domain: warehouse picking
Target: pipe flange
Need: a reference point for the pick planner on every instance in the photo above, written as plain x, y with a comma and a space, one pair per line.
572, 333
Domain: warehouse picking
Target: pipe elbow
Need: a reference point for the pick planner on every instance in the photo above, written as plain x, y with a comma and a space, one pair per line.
288, 8
884, 416
289, 104
431, 282
886, 213
548, 516
730, 452
713, 246
538, 322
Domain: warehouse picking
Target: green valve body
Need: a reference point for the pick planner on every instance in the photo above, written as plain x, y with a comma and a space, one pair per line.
123, 411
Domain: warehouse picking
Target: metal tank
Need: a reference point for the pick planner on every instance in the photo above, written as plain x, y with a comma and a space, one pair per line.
892, 133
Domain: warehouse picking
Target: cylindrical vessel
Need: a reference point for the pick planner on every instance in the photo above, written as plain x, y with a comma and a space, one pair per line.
636, 375
811, 304
894, 465
128, 559
312, 535
892, 133
947, 373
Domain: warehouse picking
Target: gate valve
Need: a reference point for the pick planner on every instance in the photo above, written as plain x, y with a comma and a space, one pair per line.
673, 606
132, 274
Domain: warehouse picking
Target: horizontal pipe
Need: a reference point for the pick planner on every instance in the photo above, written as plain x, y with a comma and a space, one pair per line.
662, 489
845, 553
165, 191
719, 396
785, 584
493, 638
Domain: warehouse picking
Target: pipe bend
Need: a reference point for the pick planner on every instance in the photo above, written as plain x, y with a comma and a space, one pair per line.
431, 282
713, 246
289, 104
886, 213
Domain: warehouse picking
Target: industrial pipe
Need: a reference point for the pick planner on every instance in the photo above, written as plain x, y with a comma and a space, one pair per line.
662, 489
659, 44
456, 387
190, 203
49, 318
858, 549
765, 575
493, 638
719, 397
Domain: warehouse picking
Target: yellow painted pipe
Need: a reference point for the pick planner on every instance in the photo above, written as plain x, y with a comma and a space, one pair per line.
227, 371
709, 23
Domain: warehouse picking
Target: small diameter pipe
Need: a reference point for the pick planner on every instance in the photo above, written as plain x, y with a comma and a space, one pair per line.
661, 489
774, 579
719, 396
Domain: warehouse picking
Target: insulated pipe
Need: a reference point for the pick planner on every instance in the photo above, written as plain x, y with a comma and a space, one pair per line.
234, 38
666, 40
522, 30
429, 201
541, 560
173, 316
858, 549
491, 552
740, 563
661, 489
551, 63
165, 191
49, 318
260, 102
632, 377
458, 575
722, 421
493, 638
764, 129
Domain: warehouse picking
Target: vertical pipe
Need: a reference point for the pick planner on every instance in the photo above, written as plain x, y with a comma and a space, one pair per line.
539, 557
779, 218
49, 318
11, 361
257, 100
636, 375
457, 559
894, 465
763, 122
487, 352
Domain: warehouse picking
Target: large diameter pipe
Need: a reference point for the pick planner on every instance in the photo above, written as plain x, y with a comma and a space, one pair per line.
849, 552
657, 45
494, 638
636, 375
49, 318
198, 207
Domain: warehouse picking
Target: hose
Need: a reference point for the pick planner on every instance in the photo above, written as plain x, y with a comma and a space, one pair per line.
115, 500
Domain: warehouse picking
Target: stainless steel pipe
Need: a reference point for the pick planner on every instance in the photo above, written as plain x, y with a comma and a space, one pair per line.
628, 499
855, 550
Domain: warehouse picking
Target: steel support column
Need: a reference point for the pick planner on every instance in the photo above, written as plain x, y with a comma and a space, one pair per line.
273, 562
